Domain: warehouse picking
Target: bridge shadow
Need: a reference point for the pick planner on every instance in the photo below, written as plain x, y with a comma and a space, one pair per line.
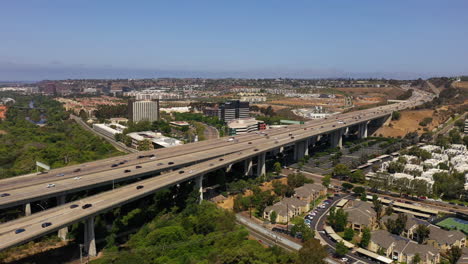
68, 253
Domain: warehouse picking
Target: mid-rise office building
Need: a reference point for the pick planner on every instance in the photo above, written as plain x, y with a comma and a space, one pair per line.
143, 110
245, 125
234, 109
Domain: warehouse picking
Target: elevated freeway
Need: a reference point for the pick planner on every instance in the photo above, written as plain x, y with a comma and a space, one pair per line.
191, 163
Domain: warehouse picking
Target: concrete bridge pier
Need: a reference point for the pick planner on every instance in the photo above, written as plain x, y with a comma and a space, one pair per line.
362, 130
336, 139
248, 167
229, 168
89, 238
261, 169
199, 186
62, 233
301, 149
27, 209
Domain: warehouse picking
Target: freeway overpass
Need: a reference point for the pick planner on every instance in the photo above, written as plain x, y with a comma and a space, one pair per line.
196, 159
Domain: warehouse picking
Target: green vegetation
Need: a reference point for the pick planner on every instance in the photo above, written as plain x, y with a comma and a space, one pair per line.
406, 95
426, 121
366, 237
198, 234
341, 250
337, 219
396, 115
60, 142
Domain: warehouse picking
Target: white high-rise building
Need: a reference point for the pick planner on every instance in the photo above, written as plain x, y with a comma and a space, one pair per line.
144, 110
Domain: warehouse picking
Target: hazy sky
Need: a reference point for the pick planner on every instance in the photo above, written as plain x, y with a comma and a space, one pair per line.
133, 39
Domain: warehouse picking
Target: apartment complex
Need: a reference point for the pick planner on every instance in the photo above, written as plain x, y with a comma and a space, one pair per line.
143, 110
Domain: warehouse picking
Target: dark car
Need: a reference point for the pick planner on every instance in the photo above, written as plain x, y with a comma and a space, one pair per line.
114, 165
181, 171
127, 171
46, 224
211, 164
151, 156
334, 126
138, 167
122, 162
73, 206
4, 194
20, 230
77, 170
292, 137
250, 142
221, 159
256, 149
141, 156
170, 163
86, 206
139, 187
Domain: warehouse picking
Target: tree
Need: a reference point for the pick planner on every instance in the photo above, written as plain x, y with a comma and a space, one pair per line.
397, 226
347, 186
297, 180
144, 145
416, 258
394, 167
341, 250
348, 234
358, 177
273, 216
303, 229
326, 181
277, 167
366, 237
422, 233
312, 252
341, 170
396, 115
378, 207
389, 210
337, 219
359, 190
453, 254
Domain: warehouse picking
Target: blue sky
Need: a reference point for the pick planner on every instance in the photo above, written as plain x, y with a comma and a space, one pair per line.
200, 38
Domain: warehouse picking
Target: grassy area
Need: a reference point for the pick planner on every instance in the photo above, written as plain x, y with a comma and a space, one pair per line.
454, 223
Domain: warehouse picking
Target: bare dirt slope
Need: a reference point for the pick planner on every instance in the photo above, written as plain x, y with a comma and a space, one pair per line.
409, 122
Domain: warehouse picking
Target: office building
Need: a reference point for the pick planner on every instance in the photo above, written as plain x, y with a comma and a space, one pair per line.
245, 125
234, 109
143, 110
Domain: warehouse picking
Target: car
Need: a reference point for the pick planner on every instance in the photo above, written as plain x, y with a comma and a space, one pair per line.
141, 156
190, 171
305, 128
77, 178
4, 194
114, 165
160, 164
139, 187
321, 127
221, 159
151, 156
19, 230
181, 171
256, 149
73, 206
46, 224
340, 122
60, 174
50, 185
122, 162
77, 170
334, 126
292, 137
230, 139
211, 164
86, 206
43, 172
344, 259
138, 167
250, 143
127, 171
170, 163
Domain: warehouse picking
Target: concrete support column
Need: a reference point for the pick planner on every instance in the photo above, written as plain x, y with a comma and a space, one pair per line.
229, 168
387, 120
199, 186
89, 238
300, 150
362, 131
248, 167
62, 233
27, 209
313, 140
336, 139
261, 170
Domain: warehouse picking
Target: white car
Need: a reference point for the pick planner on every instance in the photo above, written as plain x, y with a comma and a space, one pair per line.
50, 185
344, 259
77, 178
